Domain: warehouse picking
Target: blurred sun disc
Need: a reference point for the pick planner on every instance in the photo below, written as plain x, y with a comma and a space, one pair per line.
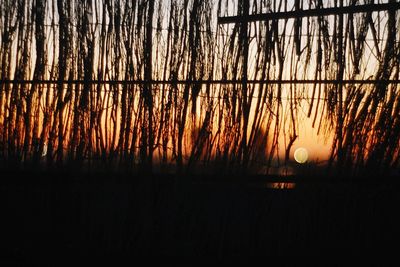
301, 155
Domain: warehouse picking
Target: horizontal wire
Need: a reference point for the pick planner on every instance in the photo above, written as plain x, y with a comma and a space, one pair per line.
185, 30
197, 82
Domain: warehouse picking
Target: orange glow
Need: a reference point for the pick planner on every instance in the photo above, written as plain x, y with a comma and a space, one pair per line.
281, 185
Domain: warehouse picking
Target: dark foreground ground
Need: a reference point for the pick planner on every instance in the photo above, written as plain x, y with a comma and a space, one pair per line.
66, 219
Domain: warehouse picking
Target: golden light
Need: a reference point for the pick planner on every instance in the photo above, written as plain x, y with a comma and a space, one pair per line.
301, 155
44, 150
281, 185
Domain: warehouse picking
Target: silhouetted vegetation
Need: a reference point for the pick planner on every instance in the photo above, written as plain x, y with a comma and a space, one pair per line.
143, 84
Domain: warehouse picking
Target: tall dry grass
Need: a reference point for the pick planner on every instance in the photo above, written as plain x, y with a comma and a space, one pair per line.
131, 84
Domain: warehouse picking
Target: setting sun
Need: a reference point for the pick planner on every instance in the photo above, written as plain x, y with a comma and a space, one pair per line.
301, 155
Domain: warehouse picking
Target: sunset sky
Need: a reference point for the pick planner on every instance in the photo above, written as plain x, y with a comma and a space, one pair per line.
234, 91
